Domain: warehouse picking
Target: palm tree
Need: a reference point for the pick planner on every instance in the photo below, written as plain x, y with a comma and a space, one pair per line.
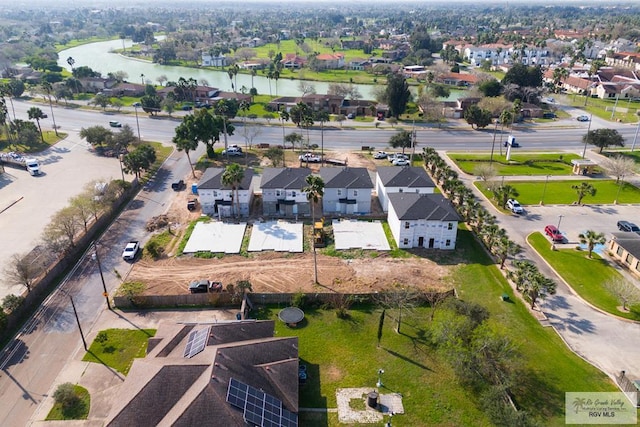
506, 248
503, 193
314, 190
48, 88
584, 189
284, 117
232, 177
36, 114
591, 239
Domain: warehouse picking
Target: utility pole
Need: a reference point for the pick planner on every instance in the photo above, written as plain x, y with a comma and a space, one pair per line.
75, 313
104, 285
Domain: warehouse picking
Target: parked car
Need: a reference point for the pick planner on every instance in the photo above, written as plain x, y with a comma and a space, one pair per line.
204, 286
513, 144
553, 232
394, 156
131, 250
514, 206
400, 161
380, 155
178, 185
232, 151
583, 118
548, 115
351, 116
115, 124
628, 226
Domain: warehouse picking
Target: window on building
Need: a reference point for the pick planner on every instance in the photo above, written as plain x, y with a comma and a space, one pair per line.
405, 242
417, 191
355, 193
447, 243
628, 259
339, 192
215, 193
278, 193
619, 251
638, 265
293, 194
450, 226
407, 225
400, 190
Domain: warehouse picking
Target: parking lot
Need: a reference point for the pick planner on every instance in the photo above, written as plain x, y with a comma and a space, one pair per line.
27, 202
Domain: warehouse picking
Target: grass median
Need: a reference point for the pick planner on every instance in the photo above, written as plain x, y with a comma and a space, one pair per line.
561, 193
518, 164
586, 276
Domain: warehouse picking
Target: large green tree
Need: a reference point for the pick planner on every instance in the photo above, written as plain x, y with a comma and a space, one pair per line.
603, 138
401, 139
584, 189
36, 114
591, 238
397, 94
314, 190
477, 117
139, 160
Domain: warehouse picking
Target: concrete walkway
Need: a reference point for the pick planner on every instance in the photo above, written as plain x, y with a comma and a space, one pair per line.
610, 343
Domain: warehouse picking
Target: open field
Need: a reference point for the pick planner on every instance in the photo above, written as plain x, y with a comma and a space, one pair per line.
519, 164
561, 193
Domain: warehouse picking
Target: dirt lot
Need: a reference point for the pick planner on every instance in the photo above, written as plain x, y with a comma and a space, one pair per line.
278, 272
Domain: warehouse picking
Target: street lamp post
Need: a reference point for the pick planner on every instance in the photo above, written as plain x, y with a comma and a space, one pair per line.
75, 313
544, 190
135, 106
120, 159
615, 202
635, 137
104, 285
493, 144
584, 151
553, 244
142, 77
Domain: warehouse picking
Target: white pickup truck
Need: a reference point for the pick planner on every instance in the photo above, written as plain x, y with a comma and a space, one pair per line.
16, 159
310, 158
131, 250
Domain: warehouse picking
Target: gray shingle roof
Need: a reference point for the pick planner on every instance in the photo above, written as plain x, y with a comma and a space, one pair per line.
346, 177
412, 206
169, 389
212, 180
286, 178
408, 176
630, 242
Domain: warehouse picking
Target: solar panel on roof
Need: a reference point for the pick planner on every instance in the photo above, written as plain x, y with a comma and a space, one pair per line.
196, 342
259, 408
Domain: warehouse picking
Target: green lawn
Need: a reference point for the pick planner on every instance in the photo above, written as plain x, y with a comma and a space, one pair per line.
79, 411
49, 136
343, 353
519, 164
119, 347
561, 193
586, 276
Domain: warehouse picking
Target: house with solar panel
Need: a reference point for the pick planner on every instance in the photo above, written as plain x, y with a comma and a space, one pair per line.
346, 190
221, 374
282, 191
406, 179
422, 221
216, 198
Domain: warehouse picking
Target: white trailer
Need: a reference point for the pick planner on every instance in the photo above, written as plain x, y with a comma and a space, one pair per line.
16, 159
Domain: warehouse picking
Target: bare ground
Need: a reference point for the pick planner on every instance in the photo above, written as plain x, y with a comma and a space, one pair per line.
283, 272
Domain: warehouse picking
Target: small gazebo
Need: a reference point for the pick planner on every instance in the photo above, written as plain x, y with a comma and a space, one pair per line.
583, 166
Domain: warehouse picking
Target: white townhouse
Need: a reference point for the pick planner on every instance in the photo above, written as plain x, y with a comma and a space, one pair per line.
346, 190
216, 198
282, 191
422, 221
406, 179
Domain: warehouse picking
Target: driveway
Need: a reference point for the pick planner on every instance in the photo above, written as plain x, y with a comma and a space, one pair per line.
608, 342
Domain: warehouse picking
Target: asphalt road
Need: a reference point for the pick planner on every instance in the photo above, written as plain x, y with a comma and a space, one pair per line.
30, 366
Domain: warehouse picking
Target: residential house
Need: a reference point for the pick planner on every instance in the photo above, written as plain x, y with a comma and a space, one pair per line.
346, 190
99, 84
216, 198
282, 191
457, 79
330, 61
352, 44
408, 179
531, 111
205, 374
625, 248
497, 53
358, 64
293, 61
327, 103
209, 60
464, 103
422, 221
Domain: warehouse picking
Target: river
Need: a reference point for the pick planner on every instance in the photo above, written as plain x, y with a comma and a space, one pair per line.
101, 57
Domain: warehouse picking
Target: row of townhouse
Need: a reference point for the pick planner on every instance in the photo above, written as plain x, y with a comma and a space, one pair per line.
332, 104
607, 83
416, 215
